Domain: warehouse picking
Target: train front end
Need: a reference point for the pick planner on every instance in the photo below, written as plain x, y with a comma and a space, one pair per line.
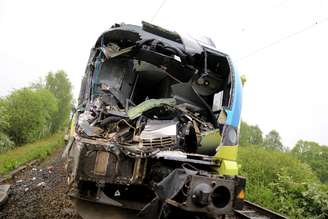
156, 127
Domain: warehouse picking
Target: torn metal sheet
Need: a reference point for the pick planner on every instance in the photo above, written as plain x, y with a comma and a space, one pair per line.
90, 130
113, 50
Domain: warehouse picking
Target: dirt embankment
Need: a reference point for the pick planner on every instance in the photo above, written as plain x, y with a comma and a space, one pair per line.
39, 192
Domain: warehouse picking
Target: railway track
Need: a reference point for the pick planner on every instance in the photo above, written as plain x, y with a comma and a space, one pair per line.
95, 211
254, 211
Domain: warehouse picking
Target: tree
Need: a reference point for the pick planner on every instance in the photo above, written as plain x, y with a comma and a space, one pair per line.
305, 147
59, 84
314, 155
273, 140
250, 134
29, 113
50, 109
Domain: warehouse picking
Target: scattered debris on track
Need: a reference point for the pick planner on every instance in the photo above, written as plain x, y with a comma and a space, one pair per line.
39, 192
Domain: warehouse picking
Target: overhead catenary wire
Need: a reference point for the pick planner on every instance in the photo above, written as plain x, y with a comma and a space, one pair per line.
158, 10
275, 42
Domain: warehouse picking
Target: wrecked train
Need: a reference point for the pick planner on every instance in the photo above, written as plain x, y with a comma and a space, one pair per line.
156, 127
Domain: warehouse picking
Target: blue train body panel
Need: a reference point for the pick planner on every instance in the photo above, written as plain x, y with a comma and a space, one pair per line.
233, 114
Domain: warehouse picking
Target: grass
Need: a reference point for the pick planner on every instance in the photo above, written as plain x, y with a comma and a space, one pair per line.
38, 150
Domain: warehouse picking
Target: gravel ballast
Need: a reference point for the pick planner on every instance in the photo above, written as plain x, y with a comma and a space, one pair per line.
39, 192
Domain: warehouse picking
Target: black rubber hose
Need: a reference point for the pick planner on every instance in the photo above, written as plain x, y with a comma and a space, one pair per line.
109, 119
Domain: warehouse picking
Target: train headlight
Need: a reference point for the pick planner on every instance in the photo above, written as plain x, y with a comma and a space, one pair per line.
221, 196
230, 136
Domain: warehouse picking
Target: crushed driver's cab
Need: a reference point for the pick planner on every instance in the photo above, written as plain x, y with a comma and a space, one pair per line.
156, 127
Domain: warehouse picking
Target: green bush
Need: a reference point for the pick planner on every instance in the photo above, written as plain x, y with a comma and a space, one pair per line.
259, 163
299, 200
279, 181
5, 143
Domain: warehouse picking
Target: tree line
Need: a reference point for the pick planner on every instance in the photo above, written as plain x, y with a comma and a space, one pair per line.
312, 153
36, 111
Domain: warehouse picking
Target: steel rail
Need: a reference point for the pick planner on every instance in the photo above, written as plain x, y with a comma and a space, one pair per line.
254, 211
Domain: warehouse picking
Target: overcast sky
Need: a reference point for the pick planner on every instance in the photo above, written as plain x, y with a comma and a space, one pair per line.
280, 45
